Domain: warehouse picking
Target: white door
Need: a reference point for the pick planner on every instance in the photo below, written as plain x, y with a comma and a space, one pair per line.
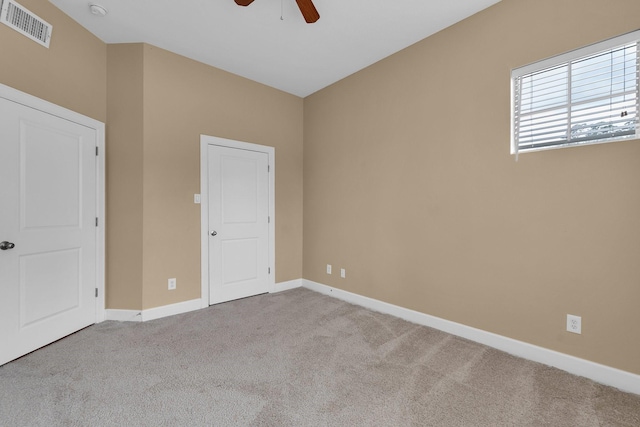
238, 218
48, 226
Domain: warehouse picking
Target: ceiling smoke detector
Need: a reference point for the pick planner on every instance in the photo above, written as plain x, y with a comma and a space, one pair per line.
98, 10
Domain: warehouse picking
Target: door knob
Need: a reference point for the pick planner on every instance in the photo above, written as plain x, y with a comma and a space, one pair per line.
214, 233
6, 245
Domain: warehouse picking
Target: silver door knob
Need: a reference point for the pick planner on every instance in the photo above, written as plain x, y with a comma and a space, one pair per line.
6, 245
214, 233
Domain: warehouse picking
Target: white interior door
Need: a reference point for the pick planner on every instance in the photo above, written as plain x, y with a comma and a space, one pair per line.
48, 223
238, 219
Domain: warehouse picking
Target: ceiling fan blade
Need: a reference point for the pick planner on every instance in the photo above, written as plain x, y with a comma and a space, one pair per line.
308, 10
244, 2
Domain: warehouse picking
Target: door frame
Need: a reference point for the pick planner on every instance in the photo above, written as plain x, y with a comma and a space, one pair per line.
35, 103
205, 142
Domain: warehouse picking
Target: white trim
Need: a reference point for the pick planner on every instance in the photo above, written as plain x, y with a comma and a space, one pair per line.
575, 54
205, 141
102, 222
603, 374
565, 59
154, 313
31, 101
171, 309
124, 315
285, 286
204, 225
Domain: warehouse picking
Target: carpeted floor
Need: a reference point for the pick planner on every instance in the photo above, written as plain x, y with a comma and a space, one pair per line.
295, 358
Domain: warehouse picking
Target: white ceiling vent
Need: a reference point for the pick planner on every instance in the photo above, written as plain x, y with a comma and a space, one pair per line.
25, 22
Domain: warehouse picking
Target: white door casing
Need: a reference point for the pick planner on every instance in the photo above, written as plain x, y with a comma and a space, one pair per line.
51, 192
237, 209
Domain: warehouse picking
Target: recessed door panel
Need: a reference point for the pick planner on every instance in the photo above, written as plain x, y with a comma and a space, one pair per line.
56, 154
49, 284
239, 260
239, 190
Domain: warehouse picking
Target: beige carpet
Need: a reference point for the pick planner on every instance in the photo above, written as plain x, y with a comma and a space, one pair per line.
296, 358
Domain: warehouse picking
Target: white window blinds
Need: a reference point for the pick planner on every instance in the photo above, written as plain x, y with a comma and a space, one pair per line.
585, 96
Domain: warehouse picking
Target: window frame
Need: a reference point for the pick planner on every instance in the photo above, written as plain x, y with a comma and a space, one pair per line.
568, 58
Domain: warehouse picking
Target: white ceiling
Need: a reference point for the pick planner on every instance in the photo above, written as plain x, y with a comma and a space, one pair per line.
255, 43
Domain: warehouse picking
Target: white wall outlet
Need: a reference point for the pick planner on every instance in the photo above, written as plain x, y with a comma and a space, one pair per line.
343, 273
328, 268
196, 199
574, 324
172, 284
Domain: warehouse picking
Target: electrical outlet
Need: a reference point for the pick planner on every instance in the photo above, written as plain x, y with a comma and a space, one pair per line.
172, 284
343, 273
328, 268
574, 324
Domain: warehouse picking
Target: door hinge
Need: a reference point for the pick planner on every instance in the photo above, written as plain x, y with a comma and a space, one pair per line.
96, 221
269, 270
269, 220
96, 150
268, 168
96, 292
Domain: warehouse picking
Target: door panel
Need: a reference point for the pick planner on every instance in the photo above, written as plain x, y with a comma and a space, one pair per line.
239, 189
238, 213
48, 209
240, 260
49, 284
55, 201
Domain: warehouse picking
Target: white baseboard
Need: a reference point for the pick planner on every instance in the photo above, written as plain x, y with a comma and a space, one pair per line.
153, 313
171, 309
285, 286
178, 308
603, 374
123, 315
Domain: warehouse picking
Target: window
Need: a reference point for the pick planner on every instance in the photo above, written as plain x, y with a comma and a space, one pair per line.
586, 96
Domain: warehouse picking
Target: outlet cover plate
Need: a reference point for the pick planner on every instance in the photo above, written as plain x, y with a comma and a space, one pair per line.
574, 324
172, 284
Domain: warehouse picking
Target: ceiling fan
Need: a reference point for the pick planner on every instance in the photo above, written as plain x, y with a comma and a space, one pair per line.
307, 8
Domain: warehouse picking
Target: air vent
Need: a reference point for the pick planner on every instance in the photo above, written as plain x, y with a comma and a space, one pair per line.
25, 22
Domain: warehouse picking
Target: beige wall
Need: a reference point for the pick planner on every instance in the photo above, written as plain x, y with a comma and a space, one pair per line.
71, 73
124, 176
181, 99
409, 185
